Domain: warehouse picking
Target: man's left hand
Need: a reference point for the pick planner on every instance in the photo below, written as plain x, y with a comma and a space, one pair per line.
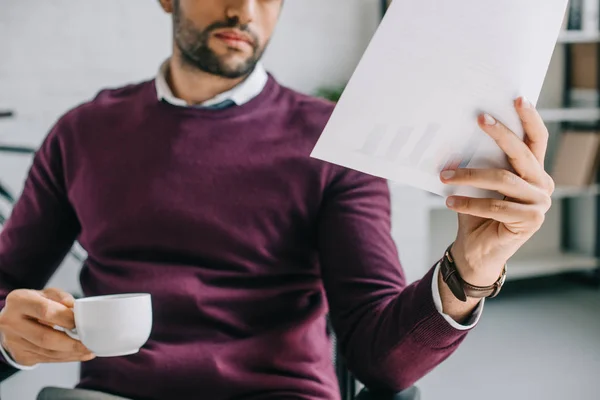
492, 230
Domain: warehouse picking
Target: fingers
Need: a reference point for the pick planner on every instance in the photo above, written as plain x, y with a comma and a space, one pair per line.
519, 155
25, 333
535, 130
38, 306
29, 359
48, 338
499, 180
520, 217
59, 296
22, 350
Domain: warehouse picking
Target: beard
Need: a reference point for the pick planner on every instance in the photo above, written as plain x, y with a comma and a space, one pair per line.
195, 51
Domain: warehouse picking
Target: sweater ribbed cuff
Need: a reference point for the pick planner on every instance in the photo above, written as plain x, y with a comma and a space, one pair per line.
433, 331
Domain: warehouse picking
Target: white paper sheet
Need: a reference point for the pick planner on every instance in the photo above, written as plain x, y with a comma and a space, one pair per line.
410, 109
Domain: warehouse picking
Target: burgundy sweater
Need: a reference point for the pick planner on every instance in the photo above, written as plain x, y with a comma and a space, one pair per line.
244, 241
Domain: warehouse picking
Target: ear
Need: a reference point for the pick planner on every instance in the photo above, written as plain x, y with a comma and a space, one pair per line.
167, 5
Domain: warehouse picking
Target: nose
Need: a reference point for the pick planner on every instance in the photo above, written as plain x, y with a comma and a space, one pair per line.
242, 10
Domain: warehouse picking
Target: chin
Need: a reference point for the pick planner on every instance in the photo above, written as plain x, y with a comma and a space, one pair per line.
234, 64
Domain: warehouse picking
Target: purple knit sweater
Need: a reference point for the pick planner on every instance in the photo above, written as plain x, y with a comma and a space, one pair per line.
243, 240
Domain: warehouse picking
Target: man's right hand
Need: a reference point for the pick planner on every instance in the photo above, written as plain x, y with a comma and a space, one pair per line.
26, 331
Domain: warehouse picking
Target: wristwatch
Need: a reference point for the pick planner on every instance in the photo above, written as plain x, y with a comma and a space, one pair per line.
461, 289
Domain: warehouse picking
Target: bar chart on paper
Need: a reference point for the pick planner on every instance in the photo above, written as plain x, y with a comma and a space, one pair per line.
411, 154
410, 109
425, 148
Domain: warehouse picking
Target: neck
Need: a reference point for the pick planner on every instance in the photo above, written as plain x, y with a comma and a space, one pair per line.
196, 86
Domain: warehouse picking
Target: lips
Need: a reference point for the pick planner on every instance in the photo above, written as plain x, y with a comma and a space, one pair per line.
234, 37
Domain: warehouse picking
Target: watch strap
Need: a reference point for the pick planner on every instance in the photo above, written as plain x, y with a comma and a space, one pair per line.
482, 292
461, 289
452, 278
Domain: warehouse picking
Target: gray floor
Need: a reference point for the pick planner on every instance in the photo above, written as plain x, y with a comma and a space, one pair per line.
541, 343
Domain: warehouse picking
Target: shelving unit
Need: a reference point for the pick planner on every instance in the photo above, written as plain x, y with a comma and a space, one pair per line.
578, 37
570, 114
568, 117
548, 264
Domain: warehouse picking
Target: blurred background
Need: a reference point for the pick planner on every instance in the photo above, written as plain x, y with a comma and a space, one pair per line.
539, 340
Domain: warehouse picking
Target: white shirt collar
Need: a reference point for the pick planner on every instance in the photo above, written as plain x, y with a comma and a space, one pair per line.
240, 94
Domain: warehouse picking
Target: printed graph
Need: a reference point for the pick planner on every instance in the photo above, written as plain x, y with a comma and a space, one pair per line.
426, 148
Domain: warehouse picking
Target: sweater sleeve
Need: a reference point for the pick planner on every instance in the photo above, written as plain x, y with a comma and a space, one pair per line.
391, 334
42, 226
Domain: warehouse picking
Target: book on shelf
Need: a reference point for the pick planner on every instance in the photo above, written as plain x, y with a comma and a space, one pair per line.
583, 16
577, 159
575, 15
584, 58
583, 90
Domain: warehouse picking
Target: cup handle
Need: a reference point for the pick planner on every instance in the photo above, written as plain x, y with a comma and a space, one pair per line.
72, 333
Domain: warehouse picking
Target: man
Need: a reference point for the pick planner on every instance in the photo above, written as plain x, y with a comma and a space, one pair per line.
198, 188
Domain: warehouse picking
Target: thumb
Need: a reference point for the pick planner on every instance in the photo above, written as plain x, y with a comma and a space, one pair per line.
59, 296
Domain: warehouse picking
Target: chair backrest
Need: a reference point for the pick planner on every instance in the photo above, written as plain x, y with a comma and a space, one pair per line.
346, 381
349, 385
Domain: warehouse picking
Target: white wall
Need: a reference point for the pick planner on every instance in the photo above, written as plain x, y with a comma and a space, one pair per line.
320, 42
57, 54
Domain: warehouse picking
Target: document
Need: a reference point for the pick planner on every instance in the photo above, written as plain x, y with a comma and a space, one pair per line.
410, 109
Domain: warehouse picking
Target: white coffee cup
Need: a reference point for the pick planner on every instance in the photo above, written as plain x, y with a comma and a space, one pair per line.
113, 326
